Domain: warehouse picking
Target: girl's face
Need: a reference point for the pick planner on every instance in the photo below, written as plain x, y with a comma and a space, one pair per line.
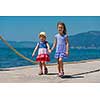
42, 38
61, 29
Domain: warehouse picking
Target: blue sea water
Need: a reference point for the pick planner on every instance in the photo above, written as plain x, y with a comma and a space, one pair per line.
10, 59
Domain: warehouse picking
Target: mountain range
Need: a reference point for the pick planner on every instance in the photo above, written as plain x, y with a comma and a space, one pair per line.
90, 39
85, 39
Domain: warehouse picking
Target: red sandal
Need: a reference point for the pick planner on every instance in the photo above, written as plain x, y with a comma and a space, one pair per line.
61, 74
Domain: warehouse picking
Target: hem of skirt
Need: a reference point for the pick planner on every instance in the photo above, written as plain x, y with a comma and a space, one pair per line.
61, 57
42, 61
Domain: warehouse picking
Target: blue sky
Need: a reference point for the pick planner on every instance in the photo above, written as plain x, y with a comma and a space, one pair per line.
27, 28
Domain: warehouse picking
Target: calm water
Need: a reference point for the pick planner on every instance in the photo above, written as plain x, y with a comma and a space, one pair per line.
10, 59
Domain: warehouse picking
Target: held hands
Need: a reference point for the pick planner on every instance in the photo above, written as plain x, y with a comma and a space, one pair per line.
49, 50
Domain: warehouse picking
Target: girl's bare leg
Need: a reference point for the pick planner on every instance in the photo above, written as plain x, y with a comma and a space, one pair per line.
58, 66
41, 68
44, 65
61, 65
45, 68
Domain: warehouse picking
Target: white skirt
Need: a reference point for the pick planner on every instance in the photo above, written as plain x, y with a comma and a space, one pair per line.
42, 51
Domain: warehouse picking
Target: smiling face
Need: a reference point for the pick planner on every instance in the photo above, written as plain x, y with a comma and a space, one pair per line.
61, 29
42, 38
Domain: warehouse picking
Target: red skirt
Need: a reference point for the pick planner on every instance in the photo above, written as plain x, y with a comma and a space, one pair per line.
43, 58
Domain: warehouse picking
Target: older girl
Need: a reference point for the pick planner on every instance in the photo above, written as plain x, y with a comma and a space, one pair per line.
62, 46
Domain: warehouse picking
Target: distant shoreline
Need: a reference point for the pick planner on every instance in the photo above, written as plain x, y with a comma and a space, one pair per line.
79, 48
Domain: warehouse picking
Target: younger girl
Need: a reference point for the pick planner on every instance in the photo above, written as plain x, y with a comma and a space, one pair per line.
43, 48
62, 46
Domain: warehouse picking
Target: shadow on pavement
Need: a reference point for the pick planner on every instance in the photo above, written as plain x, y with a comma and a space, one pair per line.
71, 76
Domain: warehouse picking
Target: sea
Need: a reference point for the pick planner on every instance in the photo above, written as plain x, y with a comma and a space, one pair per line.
9, 59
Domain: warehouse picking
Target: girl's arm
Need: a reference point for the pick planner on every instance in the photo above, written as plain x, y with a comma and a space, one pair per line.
35, 50
54, 44
48, 47
67, 46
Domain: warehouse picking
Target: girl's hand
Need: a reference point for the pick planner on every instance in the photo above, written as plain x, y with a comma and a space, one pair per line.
49, 51
33, 55
67, 53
